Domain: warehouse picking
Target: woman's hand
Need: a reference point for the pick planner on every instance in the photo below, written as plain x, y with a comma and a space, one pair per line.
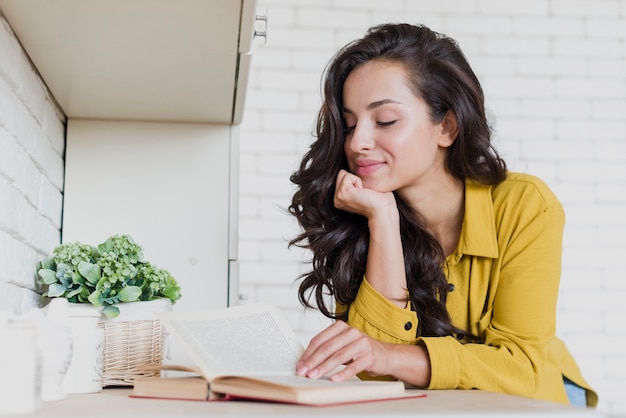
341, 344
351, 196
385, 260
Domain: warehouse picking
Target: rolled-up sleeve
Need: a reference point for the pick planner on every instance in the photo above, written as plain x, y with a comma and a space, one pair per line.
379, 318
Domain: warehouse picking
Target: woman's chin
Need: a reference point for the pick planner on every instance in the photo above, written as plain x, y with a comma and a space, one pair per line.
377, 186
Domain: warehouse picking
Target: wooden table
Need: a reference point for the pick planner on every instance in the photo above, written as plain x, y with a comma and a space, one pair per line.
115, 403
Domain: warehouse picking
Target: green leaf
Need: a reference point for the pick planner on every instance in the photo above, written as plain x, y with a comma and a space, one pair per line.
147, 294
106, 246
101, 283
74, 292
84, 294
129, 294
47, 276
172, 293
56, 289
96, 298
63, 267
80, 279
65, 280
110, 301
111, 311
47, 264
89, 271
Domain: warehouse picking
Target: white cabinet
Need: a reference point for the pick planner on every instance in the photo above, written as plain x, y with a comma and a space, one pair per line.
172, 60
168, 185
153, 91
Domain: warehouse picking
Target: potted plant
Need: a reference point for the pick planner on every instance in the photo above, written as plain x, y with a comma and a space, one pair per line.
111, 273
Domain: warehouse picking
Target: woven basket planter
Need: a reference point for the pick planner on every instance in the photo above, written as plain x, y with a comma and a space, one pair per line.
134, 342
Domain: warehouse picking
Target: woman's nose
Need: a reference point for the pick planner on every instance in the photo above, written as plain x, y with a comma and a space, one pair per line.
361, 139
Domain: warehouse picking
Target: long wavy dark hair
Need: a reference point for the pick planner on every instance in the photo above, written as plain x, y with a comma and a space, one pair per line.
441, 76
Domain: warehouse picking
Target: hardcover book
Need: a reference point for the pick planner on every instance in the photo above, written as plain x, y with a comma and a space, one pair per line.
250, 352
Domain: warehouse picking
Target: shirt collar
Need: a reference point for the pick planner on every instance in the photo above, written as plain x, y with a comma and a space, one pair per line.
478, 235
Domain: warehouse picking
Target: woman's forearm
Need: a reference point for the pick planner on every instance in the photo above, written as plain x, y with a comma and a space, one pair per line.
385, 261
409, 363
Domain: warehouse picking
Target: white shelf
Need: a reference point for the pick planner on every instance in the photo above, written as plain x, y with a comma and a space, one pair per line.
166, 60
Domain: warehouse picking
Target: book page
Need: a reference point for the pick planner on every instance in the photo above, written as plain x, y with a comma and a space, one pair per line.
243, 340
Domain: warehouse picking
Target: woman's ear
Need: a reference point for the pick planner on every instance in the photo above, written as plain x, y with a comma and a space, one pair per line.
449, 129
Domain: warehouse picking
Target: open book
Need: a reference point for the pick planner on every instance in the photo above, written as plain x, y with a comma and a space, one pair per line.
250, 352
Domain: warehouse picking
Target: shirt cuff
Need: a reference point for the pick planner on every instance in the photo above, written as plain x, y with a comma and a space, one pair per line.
445, 370
379, 313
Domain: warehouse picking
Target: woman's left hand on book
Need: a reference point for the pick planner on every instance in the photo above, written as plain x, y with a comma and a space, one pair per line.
340, 344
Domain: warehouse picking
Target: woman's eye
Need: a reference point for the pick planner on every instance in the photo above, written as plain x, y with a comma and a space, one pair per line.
386, 123
348, 129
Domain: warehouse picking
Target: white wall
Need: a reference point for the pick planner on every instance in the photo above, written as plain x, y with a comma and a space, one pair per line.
554, 73
31, 173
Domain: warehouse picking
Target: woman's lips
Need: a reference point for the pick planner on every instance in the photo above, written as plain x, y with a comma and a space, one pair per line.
367, 167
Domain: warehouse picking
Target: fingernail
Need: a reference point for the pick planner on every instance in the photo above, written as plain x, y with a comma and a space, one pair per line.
313, 373
301, 370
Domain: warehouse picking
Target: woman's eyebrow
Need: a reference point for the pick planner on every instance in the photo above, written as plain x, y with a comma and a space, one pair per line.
373, 105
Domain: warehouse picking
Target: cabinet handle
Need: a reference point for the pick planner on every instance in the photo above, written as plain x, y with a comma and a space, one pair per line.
261, 33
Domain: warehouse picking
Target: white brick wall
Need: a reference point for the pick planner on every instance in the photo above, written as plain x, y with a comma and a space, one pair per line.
32, 143
554, 73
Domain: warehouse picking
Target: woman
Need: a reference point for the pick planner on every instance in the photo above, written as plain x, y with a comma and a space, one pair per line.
444, 266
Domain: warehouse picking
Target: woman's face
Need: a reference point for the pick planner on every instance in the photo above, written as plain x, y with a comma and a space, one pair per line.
391, 142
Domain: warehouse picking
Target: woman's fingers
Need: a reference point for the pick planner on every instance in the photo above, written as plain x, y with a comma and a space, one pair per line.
344, 189
351, 196
326, 335
337, 345
318, 346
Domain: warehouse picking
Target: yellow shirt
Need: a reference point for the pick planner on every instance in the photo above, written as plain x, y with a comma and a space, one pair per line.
505, 272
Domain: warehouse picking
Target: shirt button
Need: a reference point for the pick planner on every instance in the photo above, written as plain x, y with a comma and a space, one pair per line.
450, 287
408, 326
